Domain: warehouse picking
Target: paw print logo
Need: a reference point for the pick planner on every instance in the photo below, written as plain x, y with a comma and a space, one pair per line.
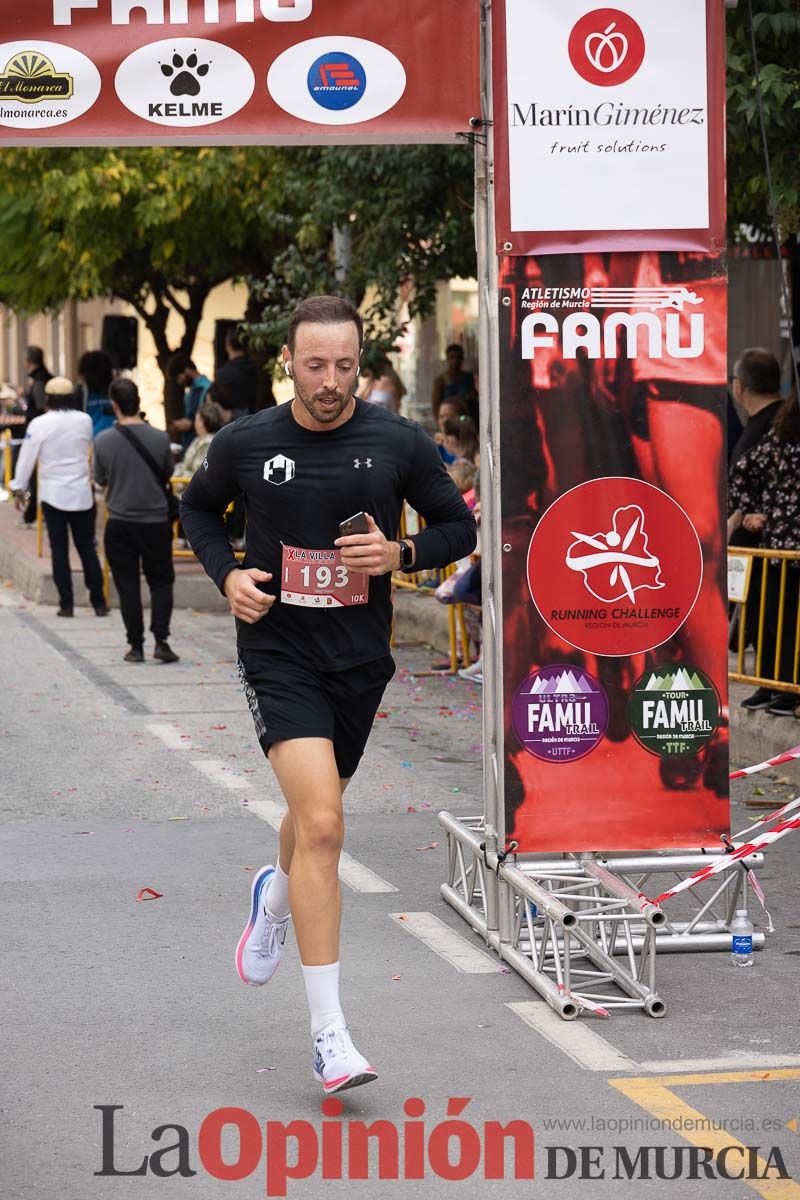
184, 74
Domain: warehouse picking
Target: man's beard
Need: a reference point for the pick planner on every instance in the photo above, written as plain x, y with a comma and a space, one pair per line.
326, 415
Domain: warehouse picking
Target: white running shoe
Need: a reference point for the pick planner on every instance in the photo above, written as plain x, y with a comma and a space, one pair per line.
337, 1063
258, 954
473, 673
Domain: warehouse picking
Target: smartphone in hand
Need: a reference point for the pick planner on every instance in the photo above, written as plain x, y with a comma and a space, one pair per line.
356, 524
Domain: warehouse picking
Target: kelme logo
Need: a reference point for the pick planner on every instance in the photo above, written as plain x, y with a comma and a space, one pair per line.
606, 47
185, 82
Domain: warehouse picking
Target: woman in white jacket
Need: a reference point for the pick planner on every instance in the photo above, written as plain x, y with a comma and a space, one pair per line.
60, 441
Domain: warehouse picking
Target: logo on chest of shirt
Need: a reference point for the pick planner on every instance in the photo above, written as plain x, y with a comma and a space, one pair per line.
358, 463
279, 469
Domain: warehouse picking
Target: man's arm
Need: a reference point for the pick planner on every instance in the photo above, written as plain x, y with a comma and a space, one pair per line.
26, 461
451, 532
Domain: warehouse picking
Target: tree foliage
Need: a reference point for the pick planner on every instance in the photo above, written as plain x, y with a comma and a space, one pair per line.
407, 216
156, 227
776, 24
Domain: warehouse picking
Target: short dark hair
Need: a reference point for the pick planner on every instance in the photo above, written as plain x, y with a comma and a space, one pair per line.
455, 346
324, 310
96, 371
125, 395
211, 415
35, 355
758, 371
177, 364
234, 339
222, 396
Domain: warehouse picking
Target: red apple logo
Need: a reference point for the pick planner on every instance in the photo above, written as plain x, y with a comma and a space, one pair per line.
606, 47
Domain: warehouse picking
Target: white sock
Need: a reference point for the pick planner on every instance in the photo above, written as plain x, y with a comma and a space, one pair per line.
322, 991
277, 897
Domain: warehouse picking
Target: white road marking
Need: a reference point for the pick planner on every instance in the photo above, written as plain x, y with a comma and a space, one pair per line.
171, 736
592, 1052
219, 772
269, 811
731, 1062
585, 1047
357, 877
445, 942
361, 878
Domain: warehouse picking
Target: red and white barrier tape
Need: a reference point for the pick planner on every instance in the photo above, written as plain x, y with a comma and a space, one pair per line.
787, 756
773, 816
728, 860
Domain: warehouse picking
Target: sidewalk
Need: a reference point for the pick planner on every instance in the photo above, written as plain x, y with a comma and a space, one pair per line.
418, 618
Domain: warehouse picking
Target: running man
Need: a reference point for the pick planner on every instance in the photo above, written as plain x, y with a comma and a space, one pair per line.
313, 617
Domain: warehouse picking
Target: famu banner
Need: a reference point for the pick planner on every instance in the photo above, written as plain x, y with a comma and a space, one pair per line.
236, 71
609, 125
613, 387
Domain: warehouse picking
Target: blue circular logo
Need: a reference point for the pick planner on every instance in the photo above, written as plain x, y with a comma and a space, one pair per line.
337, 80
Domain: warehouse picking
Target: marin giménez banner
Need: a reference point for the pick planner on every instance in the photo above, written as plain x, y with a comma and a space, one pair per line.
613, 392
141, 72
617, 114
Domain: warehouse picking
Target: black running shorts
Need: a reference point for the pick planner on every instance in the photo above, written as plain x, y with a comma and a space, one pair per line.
289, 699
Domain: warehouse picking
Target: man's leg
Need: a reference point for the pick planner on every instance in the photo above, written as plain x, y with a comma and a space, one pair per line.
306, 772
159, 571
82, 526
278, 893
122, 554
57, 531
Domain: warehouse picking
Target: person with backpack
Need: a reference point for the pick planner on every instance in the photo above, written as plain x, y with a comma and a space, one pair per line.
134, 462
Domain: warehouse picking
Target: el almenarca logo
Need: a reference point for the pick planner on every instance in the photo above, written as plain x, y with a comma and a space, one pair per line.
31, 77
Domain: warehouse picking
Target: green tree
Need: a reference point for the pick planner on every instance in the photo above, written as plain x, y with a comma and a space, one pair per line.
776, 24
407, 216
156, 227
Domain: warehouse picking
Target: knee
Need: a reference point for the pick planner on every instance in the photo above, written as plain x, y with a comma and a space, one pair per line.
321, 833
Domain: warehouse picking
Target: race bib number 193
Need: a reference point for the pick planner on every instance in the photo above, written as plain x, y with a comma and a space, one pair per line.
317, 579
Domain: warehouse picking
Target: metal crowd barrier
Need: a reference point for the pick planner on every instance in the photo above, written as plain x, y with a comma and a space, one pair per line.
426, 582
765, 673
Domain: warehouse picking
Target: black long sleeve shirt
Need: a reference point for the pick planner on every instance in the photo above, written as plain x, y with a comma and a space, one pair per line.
298, 485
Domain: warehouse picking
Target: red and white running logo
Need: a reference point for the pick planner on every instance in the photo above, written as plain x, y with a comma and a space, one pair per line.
606, 47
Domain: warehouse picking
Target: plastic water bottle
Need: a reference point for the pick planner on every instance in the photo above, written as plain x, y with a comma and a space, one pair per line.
742, 939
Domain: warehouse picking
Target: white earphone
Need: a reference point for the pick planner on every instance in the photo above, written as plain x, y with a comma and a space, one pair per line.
287, 369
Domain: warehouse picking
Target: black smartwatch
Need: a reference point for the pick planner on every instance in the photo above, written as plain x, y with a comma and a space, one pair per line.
406, 556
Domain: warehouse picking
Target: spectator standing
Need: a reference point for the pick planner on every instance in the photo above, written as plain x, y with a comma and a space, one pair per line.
239, 375
60, 440
184, 372
765, 499
35, 403
756, 390
95, 373
383, 386
134, 462
455, 384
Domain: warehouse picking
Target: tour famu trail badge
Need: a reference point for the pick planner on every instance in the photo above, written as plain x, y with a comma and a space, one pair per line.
674, 710
560, 713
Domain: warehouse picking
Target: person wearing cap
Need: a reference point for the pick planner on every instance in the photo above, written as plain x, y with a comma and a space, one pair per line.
60, 440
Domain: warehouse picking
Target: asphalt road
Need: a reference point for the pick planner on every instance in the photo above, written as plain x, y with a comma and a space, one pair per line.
119, 778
